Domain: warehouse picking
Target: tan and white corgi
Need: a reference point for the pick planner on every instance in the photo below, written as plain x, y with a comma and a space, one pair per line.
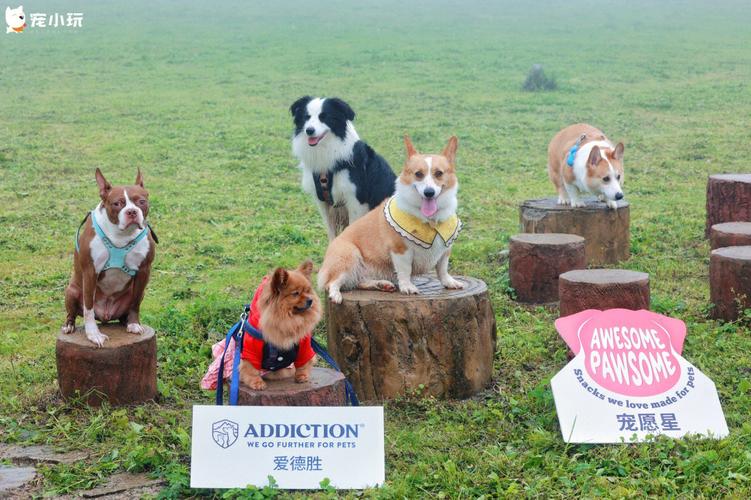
407, 234
582, 160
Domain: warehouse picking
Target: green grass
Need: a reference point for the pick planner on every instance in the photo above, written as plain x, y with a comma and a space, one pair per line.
196, 94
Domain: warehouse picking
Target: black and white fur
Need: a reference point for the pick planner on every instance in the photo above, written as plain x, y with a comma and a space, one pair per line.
325, 141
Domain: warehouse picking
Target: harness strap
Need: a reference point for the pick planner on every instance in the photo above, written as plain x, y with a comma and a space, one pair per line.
116, 255
573, 150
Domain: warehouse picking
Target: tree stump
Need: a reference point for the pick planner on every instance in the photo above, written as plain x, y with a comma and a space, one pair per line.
730, 281
325, 388
536, 261
439, 343
605, 230
603, 289
122, 371
730, 234
728, 199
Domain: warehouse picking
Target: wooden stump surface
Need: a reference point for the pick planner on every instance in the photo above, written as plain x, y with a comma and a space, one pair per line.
730, 234
122, 371
605, 230
730, 281
603, 289
728, 199
325, 388
537, 259
440, 342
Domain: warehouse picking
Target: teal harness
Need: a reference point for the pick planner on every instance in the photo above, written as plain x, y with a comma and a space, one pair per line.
116, 255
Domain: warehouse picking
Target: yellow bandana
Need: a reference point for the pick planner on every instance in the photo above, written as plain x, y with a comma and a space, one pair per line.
419, 231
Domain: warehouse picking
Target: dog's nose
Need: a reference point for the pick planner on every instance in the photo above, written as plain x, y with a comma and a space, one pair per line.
131, 212
310, 131
619, 196
308, 303
429, 192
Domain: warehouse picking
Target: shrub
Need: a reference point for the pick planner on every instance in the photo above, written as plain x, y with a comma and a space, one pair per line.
537, 80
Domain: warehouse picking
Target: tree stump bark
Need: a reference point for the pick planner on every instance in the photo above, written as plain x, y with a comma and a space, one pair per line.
325, 388
730, 281
603, 289
536, 261
605, 230
439, 343
728, 199
123, 371
730, 234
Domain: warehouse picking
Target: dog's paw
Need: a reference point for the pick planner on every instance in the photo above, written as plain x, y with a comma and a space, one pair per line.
563, 201
385, 286
335, 296
136, 328
95, 336
408, 289
452, 284
578, 204
257, 384
301, 378
612, 204
68, 328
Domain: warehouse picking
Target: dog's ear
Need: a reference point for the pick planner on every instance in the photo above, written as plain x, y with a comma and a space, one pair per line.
139, 178
411, 151
342, 107
7, 10
104, 186
618, 152
306, 268
299, 104
279, 280
594, 157
450, 150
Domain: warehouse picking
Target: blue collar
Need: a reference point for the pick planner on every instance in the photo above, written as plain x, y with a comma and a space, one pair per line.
116, 255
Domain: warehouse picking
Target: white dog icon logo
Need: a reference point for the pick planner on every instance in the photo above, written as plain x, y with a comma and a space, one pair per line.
16, 19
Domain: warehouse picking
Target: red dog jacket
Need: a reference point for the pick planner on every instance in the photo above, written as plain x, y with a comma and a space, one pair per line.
265, 356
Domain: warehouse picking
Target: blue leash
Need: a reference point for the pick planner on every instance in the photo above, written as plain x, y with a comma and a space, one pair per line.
573, 150
238, 331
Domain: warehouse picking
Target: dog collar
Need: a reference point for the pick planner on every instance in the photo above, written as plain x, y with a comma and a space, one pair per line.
417, 230
573, 150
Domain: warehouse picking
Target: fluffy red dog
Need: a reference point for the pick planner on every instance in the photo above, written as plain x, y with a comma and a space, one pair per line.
285, 309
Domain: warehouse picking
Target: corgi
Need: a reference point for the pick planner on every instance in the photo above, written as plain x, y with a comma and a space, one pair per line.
407, 234
581, 159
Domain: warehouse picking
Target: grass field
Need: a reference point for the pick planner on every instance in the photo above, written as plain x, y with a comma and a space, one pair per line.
197, 95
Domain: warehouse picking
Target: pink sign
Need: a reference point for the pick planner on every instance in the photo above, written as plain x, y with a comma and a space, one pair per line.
633, 353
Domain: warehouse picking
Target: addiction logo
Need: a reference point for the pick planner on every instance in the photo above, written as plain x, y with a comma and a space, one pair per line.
225, 432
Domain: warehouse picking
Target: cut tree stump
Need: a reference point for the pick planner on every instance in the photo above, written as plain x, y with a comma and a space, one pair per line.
605, 230
603, 289
325, 388
123, 371
439, 343
730, 234
730, 281
728, 199
537, 259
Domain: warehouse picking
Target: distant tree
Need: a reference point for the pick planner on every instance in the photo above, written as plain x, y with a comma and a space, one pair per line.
537, 80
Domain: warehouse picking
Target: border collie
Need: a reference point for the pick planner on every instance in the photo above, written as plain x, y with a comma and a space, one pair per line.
338, 168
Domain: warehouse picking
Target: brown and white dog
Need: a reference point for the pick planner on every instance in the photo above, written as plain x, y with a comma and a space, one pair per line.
409, 233
112, 262
582, 160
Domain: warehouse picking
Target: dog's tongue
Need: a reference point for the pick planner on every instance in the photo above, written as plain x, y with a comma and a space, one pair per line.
429, 207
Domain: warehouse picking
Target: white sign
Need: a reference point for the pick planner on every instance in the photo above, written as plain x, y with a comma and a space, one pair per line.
299, 446
629, 381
